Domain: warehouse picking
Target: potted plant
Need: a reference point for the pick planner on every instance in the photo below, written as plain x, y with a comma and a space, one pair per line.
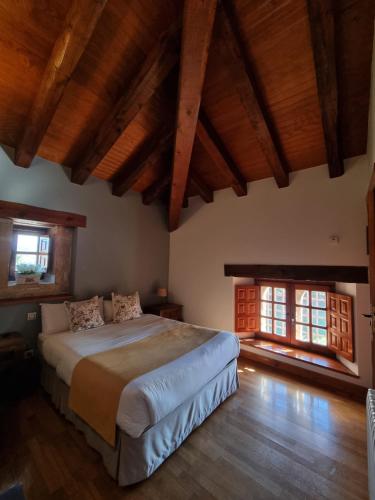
28, 274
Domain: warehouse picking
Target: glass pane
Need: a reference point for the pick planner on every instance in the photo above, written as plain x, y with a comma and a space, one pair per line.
319, 299
266, 292
25, 259
280, 328
319, 317
43, 244
27, 243
302, 297
266, 325
266, 309
43, 262
302, 314
279, 294
303, 333
279, 311
319, 336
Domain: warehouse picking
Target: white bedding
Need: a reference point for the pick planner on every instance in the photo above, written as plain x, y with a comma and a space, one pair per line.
150, 397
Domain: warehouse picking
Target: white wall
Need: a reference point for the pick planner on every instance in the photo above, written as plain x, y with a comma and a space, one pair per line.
269, 226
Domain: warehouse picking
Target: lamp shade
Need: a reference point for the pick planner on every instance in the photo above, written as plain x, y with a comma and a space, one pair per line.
162, 292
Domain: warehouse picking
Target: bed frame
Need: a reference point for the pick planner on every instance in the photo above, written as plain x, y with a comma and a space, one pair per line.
135, 459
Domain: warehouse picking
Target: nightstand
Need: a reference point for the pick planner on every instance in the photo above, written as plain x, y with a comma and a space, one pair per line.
18, 376
167, 310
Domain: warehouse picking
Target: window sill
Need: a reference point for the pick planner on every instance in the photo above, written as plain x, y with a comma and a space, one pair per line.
49, 279
308, 357
36, 299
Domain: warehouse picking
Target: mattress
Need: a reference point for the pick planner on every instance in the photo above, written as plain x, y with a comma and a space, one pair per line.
149, 398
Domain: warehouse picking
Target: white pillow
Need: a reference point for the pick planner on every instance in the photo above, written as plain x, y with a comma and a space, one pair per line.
108, 311
54, 318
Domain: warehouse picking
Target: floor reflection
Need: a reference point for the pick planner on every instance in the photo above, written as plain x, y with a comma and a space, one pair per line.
313, 411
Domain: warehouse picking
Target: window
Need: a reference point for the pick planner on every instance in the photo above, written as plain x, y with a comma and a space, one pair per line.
294, 313
312, 317
273, 310
36, 236
31, 249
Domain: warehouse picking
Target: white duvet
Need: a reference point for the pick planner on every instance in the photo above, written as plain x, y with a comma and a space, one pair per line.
150, 397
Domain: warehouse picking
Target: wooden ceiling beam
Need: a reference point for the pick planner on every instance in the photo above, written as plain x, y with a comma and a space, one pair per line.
158, 64
215, 147
146, 156
79, 25
242, 76
156, 189
322, 29
201, 187
198, 19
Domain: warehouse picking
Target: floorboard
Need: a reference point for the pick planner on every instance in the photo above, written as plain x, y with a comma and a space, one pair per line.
275, 438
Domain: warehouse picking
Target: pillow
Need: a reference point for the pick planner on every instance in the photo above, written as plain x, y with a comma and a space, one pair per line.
84, 315
54, 318
108, 311
125, 307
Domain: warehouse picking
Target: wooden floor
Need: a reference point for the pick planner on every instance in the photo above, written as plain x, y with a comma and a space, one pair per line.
275, 438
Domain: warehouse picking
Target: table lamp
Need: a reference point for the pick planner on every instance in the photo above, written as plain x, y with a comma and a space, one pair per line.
163, 293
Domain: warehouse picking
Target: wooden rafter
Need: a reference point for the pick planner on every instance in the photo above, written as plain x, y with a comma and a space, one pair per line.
322, 29
198, 19
146, 156
243, 79
219, 153
156, 189
201, 187
155, 69
79, 25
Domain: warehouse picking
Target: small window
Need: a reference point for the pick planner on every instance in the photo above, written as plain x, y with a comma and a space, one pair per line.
31, 250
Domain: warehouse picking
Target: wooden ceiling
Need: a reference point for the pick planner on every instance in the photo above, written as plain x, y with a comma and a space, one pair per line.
175, 98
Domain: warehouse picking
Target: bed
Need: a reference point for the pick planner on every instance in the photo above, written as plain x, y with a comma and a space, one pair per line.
158, 409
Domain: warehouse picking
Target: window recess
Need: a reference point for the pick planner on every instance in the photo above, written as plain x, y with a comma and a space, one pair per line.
304, 315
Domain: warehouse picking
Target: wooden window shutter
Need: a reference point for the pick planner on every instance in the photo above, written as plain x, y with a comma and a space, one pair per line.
247, 308
340, 325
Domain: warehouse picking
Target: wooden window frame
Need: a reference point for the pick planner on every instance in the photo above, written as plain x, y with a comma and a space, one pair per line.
39, 231
310, 346
272, 336
290, 339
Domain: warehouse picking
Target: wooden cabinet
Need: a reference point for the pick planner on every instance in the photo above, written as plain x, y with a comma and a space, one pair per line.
168, 310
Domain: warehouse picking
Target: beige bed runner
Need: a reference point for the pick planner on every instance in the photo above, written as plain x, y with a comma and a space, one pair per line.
98, 380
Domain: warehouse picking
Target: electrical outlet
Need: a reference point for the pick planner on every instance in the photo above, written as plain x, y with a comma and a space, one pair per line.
31, 316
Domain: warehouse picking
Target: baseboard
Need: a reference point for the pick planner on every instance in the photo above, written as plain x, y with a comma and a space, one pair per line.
353, 391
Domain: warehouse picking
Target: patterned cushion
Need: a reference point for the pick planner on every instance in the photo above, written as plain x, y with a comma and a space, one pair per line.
84, 315
125, 307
